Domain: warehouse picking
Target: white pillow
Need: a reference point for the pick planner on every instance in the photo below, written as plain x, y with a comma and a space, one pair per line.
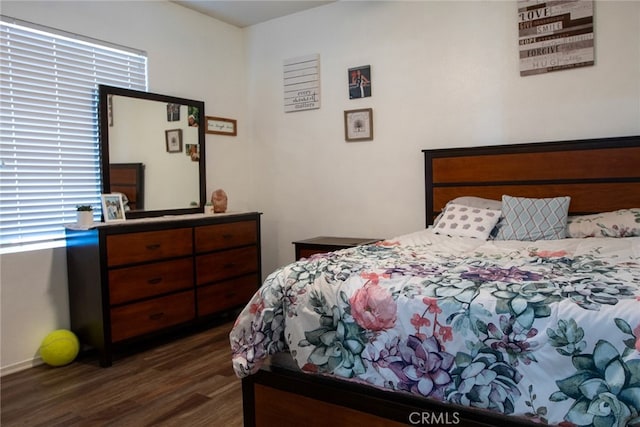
474, 202
620, 223
477, 202
465, 221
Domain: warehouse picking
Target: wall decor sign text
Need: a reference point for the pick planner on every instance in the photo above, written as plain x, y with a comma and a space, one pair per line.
302, 83
554, 35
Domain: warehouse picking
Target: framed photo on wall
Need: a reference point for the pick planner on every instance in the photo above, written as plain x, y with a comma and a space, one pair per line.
359, 82
192, 151
173, 112
173, 139
194, 116
112, 207
358, 125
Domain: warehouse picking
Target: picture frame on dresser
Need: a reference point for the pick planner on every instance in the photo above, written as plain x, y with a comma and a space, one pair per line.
113, 207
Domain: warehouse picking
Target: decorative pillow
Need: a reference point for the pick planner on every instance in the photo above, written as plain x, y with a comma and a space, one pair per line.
474, 202
533, 219
465, 221
620, 223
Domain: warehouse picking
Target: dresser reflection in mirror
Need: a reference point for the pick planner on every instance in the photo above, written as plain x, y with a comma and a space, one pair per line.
128, 180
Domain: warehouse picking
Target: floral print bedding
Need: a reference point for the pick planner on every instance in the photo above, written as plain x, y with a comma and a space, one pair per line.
546, 330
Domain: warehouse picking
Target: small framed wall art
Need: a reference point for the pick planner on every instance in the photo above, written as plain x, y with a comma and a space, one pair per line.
112, 207
358, 125
221, 126
173, 139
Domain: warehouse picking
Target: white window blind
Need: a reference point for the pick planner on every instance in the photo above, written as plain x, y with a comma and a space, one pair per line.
49, 148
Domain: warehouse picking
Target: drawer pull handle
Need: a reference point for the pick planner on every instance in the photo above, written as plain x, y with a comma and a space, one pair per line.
153, 247
156, 316
154, 281
227, 236
228, 265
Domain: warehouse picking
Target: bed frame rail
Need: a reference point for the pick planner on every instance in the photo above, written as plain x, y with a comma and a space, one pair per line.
283, 397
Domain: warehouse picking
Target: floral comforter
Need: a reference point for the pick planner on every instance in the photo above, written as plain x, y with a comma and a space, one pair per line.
548, 330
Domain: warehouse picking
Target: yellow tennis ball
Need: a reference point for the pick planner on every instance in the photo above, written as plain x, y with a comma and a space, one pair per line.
59, 348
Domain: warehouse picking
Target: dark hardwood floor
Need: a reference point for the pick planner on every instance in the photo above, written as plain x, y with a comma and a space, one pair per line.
185, 382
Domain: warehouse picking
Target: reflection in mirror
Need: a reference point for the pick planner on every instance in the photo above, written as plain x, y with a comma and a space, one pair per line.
152, 151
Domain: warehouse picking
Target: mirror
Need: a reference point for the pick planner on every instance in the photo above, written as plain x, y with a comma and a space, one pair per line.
153, 151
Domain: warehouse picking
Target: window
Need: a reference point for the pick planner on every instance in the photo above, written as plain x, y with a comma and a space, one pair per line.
49, 148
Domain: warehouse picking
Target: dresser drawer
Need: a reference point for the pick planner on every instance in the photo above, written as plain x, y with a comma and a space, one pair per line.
226, 264
227, 294
132, 283
148, 316
148, 246
221, 236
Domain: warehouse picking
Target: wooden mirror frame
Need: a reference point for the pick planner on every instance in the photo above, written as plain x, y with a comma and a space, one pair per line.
103, 116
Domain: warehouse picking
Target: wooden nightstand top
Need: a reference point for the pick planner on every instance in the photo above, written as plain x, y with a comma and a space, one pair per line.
321, 244
336, 241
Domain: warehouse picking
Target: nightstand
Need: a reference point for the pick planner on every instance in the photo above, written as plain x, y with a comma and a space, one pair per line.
316, 245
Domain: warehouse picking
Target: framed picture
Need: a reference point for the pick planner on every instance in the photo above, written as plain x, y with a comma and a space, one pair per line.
358, 125
194, 116
221, 126
173, 112
112, 207
174, 140
193, 151
359, 82
110, 110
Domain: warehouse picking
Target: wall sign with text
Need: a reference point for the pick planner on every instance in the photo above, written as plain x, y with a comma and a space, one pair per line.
221, 126
302, 83
554, 35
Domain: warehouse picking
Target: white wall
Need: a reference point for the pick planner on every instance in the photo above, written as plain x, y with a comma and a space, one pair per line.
444, 74
191, 56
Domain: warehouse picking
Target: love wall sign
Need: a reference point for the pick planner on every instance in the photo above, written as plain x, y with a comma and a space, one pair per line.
554, 35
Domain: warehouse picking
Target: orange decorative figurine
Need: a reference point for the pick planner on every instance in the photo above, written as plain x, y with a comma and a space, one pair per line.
219, 200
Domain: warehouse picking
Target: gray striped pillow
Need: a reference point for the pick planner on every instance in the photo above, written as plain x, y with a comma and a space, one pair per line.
533, 219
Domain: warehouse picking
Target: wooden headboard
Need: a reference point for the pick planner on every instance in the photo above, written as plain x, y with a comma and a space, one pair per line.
600, 175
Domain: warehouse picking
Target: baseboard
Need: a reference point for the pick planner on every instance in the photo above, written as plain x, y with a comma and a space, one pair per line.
20, 366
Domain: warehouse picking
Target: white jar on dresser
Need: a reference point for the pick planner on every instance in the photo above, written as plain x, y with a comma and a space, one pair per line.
135, 279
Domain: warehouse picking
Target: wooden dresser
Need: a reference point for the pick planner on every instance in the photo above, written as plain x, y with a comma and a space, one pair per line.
134, 279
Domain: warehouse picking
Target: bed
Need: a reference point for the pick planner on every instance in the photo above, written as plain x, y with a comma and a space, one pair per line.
531, 317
